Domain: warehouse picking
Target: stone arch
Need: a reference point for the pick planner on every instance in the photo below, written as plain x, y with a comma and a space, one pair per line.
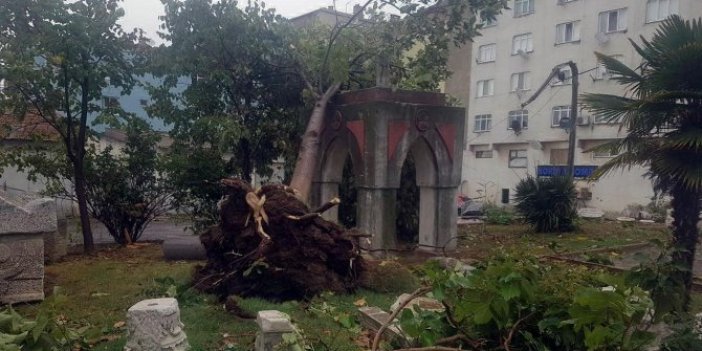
429, 155
331, 166
429, 150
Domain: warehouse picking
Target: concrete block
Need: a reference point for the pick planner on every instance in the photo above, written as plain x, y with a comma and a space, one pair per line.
373, 318
23, 223
155, 325
272, 325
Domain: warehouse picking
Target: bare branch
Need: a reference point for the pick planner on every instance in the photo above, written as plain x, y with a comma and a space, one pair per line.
417, 293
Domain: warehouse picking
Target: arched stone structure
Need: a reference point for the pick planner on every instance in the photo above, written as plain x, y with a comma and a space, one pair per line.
378, 127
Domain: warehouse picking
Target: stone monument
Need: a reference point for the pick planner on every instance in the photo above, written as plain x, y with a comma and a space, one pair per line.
23, 226
154, 325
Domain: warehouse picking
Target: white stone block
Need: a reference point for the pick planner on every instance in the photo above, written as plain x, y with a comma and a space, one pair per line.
154, 325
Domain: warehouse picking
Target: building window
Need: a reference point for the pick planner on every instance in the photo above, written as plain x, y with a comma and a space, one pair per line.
560, 2
602, 72
486, 87
559, 157
523, 7
483, 123
567, 76
559, 113
613, 21
604, 154
521, 81
517, 159
110, 102
487, 53
522, 43
658, 10
519, 118
603, 119
487, 22
483, 154
568, 32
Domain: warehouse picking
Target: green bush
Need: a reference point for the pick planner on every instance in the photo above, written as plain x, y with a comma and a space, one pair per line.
523, 304
548, 204
497, 215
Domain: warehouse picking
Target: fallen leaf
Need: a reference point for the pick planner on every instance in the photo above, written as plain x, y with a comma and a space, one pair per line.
360, 302
119, 324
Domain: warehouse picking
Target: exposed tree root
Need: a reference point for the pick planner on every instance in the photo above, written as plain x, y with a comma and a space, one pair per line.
268, 244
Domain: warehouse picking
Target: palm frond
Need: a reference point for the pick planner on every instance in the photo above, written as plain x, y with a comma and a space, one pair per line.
621, 72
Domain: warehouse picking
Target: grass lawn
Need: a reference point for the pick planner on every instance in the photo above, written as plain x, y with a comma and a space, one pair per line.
100, 289
481, 241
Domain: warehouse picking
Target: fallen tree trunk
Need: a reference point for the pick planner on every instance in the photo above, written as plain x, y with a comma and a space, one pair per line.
268, 244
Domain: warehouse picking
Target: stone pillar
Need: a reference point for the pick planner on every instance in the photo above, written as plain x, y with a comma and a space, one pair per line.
428, 218
23, 223
376, 216
438, 219
271, 327
155, 325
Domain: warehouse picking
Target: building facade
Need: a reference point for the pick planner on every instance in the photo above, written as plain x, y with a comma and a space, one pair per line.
516, 53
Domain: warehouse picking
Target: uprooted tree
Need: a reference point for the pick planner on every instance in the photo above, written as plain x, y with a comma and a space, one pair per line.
268, 242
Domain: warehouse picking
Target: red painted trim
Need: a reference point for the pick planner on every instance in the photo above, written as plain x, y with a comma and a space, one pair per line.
396, 130
358, 130
447, 131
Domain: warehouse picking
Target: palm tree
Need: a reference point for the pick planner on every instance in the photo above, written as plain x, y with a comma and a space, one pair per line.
662, 114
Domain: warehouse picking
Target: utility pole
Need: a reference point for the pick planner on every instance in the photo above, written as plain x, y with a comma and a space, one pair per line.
573, 122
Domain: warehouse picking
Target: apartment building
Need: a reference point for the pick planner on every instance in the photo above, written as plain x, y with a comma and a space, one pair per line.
514, 56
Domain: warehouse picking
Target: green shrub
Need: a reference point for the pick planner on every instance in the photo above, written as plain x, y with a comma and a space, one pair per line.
49, 331
524, 304
548, 204
497, 215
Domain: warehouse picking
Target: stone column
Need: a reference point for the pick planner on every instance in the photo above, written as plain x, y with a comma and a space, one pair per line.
271, 327
376, 216
155, 325
437, 219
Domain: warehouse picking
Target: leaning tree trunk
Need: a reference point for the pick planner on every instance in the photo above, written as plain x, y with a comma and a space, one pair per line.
686, 211
309, 147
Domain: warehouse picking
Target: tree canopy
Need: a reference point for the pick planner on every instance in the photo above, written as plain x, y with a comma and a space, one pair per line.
56, 57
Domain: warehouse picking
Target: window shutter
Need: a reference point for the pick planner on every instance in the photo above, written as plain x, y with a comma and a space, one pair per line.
576, 31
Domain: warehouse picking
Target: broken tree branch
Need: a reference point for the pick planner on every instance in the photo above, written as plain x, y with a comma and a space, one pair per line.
417, 293
327, 206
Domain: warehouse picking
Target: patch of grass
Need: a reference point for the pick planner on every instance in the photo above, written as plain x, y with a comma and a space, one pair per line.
100, 289
481, 241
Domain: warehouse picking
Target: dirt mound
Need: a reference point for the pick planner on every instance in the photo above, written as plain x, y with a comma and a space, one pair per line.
269, 244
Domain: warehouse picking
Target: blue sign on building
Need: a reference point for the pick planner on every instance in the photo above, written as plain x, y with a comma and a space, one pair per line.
581, 172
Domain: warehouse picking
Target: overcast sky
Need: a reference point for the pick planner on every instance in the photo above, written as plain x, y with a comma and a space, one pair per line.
144, 13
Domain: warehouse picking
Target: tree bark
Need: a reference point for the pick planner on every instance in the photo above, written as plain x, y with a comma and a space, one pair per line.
245, 162
309, 147
79, 165
81, 197
686, 212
